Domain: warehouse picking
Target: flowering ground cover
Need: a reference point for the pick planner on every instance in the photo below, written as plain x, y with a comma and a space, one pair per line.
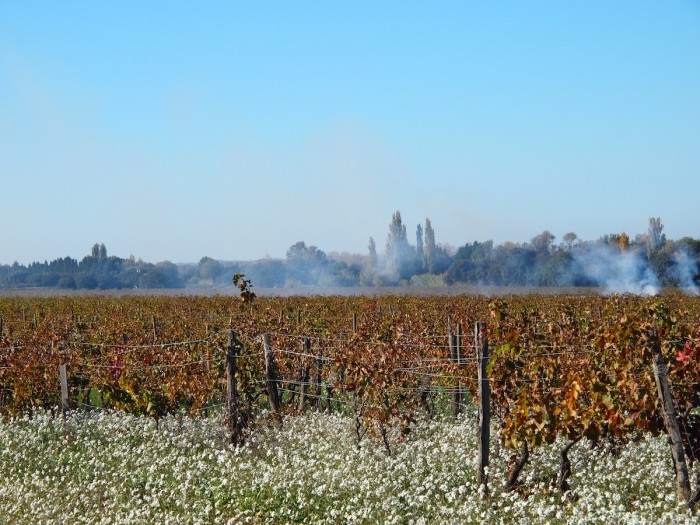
109, 468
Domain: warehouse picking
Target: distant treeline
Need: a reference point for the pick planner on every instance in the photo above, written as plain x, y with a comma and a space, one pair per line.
614, 261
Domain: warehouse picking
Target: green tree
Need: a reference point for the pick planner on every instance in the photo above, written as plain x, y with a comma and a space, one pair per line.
397, 240
542, 243
208, 269
67, 282
419, 243
693, 245
373, 259
472, 264
655, 236
400, 255
430, 249
268, 273
305, 264
162, 275
569, 240
85, 280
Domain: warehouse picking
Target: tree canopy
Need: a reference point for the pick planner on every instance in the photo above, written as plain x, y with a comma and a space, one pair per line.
614, 261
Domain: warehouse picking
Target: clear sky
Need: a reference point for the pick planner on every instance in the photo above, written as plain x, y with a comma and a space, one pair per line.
174, 130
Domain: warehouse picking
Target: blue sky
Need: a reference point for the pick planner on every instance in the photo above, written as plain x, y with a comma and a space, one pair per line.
175, 130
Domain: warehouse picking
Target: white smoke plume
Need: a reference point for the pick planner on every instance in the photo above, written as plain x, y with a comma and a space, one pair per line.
621, 273
684, 270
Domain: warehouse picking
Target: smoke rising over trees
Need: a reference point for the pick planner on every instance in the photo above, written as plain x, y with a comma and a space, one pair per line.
614, 262
400, 255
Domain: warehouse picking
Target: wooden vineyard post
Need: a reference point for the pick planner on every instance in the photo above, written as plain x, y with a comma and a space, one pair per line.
481, 344
354, 323
65, 403
271, 375
232, 403
683, 493
155, 329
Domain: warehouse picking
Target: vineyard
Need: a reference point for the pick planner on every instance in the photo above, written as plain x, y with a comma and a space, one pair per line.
547, 369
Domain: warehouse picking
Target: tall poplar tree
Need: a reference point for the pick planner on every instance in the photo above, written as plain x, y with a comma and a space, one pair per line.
398, 251
655, 238
419, 243
430, 247
373, 259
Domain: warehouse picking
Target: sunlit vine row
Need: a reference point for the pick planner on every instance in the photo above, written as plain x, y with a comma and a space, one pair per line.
560, 366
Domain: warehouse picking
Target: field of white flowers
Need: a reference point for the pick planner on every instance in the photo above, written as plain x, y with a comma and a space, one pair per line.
111, 468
